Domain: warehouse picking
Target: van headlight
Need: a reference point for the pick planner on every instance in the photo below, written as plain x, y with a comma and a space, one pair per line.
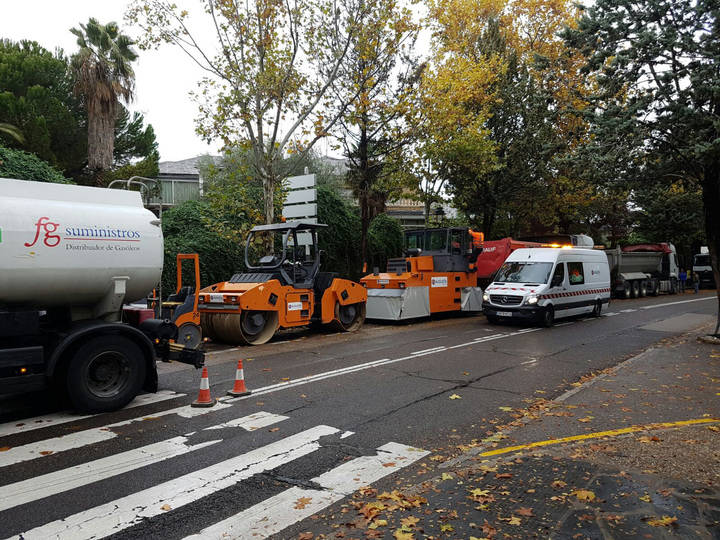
532, 299
486, 297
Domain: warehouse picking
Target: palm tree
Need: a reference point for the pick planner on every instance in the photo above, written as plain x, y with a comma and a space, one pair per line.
13, 131
103, 76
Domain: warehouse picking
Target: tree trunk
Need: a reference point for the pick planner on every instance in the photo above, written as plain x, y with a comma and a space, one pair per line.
101, 136
711, 203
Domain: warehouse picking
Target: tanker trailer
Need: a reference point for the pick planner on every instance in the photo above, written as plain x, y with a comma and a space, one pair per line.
70, 257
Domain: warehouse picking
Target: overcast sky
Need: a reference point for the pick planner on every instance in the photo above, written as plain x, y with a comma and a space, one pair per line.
163, 78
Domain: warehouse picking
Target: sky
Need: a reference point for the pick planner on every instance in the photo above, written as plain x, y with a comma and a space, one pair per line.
163, 78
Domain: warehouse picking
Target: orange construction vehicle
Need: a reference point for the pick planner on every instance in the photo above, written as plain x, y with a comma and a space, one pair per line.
437, 275
182, 306
280, 290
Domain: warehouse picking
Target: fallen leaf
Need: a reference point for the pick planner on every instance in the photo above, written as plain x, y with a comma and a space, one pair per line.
645, 498
389, 464
409, 521
515, 521
506, 409
503, 475
370, 510
714, 428
267, 369
446, 527
285, 379
306, 536
46, 452
447, 476
302, 502
273, 429
558, 484
166, 507
586, 419
437, 458
303, 396
378, 523
477, 492
403, 535
523, 511
646, 439
584, 495
455, 396
665, 521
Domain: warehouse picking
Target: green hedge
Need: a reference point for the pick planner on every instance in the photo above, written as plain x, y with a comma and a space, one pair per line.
24, 166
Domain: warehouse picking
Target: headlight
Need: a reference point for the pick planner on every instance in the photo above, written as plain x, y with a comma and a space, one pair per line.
532, 299
486, 297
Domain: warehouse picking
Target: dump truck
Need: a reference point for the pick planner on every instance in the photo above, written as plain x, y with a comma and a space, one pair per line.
643, 269
437, 275
71, 258
282, 289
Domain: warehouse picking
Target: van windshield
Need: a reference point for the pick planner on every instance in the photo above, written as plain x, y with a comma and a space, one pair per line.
524, 272
702, 260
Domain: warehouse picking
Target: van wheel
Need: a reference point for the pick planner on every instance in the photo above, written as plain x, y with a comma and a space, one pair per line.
548, 317
597, 310
635, 289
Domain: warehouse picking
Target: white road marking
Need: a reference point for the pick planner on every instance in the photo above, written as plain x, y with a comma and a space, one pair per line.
125, 512
680, 302
78, 439
251, 422
39, 487
279, 512
528, 362
628, 310
21, 426
611, 314
434, 349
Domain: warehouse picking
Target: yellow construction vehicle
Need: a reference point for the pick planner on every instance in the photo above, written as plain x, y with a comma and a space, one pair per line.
280, 290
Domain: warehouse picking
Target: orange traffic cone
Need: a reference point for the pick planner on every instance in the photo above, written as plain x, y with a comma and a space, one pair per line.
239, 386
204, 399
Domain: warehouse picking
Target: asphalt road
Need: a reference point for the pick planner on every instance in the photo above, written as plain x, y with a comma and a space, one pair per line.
322, 406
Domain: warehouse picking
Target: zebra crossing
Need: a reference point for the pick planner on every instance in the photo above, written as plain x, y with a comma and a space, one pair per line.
47, 500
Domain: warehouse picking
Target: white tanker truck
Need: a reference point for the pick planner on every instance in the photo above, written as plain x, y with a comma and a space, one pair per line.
70, 257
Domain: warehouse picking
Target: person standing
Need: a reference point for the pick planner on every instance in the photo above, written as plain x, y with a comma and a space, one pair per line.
683, 278
696, 282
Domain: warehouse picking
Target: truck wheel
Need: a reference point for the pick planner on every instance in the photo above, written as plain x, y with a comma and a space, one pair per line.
627, 290
105, 374
548, 317
653, 289
635, 289
643, 289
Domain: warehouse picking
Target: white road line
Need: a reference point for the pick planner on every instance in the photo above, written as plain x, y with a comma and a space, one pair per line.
680, 302
21, 426
279, 512
117, 515
434, 349
628, 310
252, 422
78, 439
46, 485
528, 362
39, 487
611, 314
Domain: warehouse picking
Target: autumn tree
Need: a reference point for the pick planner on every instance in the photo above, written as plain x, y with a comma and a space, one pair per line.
272, 72
377, 71
103, 77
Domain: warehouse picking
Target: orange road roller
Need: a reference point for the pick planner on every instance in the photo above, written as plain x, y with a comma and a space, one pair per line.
284, 289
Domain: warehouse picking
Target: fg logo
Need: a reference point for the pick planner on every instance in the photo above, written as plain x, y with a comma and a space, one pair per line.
44, 225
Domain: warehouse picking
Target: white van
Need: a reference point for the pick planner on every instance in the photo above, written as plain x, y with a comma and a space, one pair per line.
544, 284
